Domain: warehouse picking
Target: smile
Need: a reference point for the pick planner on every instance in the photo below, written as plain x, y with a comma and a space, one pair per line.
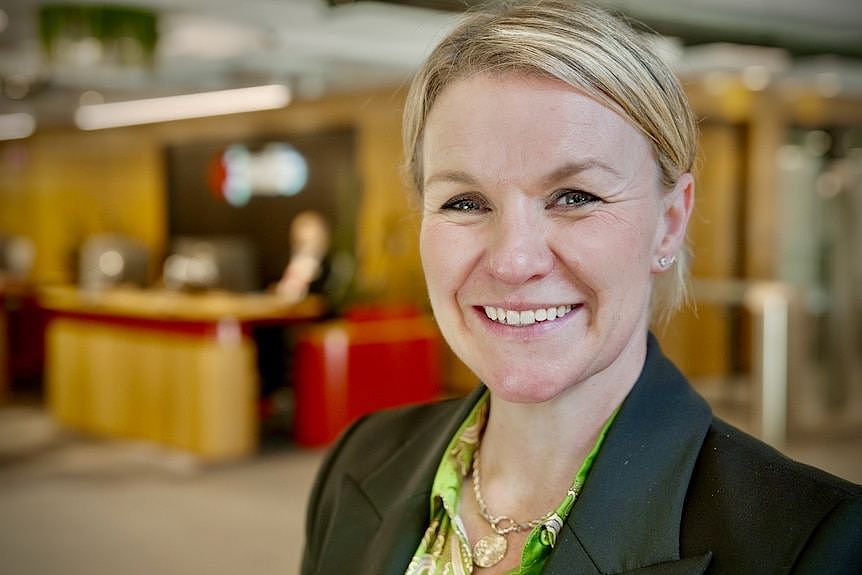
526, 317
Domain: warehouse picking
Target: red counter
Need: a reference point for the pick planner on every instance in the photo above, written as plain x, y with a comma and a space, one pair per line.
373, 359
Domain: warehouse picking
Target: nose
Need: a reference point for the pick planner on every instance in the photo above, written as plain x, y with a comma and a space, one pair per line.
519, 250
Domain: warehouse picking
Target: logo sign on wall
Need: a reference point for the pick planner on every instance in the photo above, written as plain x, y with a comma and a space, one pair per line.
238, 173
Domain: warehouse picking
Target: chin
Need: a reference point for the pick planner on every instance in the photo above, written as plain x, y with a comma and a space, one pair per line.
526, 388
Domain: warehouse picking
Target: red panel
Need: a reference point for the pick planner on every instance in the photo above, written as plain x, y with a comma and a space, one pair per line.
346, 369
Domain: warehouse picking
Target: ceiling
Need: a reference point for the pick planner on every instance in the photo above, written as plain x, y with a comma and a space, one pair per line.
319, 46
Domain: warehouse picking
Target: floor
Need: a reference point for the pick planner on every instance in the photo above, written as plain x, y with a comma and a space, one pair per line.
77, 505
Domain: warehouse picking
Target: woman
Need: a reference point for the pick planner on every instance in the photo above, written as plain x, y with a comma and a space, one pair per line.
552, 152
309, 244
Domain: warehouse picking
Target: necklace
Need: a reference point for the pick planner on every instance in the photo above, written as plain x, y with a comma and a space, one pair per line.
490, 549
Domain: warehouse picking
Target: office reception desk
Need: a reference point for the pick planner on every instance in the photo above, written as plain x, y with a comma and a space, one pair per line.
175, 368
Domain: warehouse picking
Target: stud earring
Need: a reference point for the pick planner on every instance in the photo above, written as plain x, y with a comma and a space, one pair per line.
665, 262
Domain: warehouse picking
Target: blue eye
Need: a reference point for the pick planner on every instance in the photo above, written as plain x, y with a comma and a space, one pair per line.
465, 205
574, 198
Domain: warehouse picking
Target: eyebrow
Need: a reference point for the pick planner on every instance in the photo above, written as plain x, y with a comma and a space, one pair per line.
567, 170
574, 168
453, 176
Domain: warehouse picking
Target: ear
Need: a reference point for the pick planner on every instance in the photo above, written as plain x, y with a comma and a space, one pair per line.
676, 209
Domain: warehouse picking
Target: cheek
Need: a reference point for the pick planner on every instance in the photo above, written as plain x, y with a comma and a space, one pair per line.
430, 255
443, 256
600, 250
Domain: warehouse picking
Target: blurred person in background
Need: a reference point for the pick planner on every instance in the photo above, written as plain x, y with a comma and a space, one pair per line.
552, 150
309, 245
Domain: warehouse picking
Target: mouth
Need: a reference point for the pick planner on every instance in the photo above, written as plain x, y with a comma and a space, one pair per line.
529, 316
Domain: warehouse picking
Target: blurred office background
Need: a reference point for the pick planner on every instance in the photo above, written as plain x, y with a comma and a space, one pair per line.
209, 266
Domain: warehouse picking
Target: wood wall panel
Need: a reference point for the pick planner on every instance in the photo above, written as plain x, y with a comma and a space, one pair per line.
58, 187
699, 339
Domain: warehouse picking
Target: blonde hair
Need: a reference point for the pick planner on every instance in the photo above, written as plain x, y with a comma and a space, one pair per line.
586, 48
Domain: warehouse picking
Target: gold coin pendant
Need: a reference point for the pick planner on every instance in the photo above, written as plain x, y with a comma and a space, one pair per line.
489, 550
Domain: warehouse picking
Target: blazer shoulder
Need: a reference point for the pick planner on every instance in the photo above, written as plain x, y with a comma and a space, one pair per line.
750, 459
835, 547
364, 447
757, 509
371, 441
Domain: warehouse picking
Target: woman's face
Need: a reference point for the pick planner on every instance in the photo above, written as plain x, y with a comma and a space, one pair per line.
542, 223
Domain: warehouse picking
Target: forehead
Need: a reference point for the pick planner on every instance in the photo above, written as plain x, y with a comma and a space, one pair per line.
523, 122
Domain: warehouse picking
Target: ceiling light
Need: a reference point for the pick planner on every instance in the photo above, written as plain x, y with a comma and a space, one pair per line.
90, 97
16, 126
828, 84
133, 112
756, 77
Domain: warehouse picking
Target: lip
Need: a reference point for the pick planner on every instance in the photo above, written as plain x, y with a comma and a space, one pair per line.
525, 306
529, 330
521, 306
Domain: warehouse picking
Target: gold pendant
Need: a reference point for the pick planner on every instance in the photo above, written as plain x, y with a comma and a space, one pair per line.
489, 550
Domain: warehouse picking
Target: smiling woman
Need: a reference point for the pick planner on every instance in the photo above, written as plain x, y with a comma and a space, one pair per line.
522, 229
552, 152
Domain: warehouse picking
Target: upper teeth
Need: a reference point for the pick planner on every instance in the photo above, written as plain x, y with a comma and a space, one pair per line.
526, 317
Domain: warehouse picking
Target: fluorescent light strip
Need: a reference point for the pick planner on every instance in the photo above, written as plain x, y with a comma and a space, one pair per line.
16, 126
133, 112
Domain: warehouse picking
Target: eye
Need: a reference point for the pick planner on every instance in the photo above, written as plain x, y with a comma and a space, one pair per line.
573, 198
465, 205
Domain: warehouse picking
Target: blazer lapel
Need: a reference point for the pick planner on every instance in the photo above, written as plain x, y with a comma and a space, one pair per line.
385, 513
378, 544
695, 565
629, 513
571, 557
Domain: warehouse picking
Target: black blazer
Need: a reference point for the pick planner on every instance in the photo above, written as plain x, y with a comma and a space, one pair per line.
673, 491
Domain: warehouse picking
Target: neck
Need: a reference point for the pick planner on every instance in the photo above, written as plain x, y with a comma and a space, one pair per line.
537, 448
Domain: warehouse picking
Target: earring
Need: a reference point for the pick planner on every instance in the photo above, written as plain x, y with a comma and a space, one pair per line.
665, 262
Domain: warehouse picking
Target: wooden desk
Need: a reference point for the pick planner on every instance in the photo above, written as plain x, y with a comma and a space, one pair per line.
174, 368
